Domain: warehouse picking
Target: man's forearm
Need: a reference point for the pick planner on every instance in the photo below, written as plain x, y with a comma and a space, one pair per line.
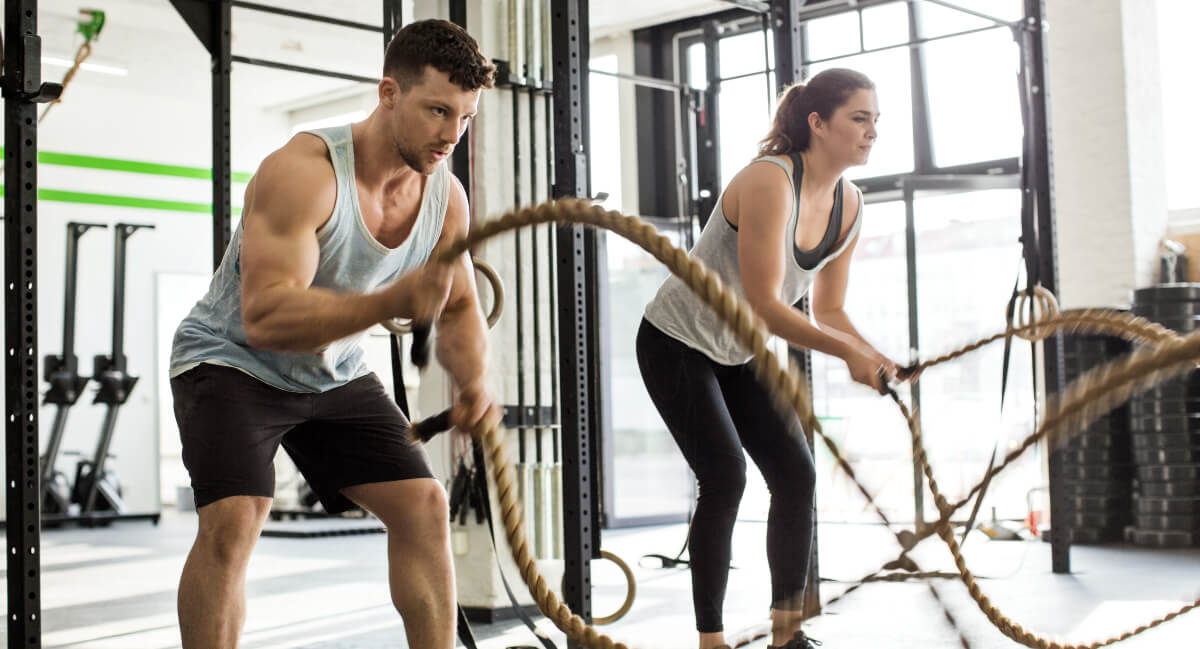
308, 319
462, 343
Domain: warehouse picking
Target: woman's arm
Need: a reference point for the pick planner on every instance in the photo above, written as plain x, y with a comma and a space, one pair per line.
764, 204
829, 298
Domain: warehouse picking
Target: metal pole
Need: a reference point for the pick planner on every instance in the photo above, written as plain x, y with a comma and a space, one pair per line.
222, 67
393, 20
570, 38
22, 89
1041, 182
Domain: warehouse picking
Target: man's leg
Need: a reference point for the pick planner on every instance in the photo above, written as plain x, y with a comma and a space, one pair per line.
212, 590
420, 568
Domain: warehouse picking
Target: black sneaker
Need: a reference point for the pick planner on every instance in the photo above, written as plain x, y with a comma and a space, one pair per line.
799, 641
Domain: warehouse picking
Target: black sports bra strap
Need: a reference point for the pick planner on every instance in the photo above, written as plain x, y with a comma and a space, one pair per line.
808, 259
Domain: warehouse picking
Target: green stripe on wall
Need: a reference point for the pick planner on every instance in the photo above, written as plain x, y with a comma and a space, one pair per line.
86, 198
131, 166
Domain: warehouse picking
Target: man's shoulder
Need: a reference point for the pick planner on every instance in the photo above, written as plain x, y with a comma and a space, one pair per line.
302, 164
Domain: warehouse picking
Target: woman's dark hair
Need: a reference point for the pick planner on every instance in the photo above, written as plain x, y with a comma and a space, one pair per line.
822, 95
441, 44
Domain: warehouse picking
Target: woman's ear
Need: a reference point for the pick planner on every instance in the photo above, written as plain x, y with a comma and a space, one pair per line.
815, 123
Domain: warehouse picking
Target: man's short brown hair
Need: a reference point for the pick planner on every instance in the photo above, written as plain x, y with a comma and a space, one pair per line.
441, 44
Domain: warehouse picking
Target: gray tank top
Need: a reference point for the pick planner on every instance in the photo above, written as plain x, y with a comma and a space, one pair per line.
351, 261
679, 313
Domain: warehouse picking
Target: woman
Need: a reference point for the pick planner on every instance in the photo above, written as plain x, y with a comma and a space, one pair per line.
787, 222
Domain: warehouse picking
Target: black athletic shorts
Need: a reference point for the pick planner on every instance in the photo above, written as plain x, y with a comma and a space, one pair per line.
232, 424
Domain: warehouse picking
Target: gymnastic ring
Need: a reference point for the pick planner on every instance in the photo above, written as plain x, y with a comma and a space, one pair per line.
1045, 305
402, 326
493, 278
630, 594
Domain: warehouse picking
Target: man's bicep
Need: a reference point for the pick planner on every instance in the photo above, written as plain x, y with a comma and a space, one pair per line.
279, 241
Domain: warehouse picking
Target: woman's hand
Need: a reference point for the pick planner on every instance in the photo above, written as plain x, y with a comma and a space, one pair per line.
871, 369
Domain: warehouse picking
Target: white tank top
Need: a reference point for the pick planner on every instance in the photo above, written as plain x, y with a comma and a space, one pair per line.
679, 313
351, 261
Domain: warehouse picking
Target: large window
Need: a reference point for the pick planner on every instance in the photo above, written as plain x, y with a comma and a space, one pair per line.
967, 255
940, 264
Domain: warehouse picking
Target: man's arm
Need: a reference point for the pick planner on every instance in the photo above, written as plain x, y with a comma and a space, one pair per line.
462, 345
288, 200
462, 330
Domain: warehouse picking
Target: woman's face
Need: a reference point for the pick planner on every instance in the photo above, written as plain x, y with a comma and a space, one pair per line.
849, 133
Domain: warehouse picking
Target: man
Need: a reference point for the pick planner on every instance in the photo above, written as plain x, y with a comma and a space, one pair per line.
336, 230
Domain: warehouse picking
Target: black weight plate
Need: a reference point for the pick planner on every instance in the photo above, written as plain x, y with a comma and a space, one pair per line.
1099, 504
1160, 456
1156, 539
1107, 426
1090, 440
1168, 522
1174, 292
1165, 423
1151, 441
1102, 472
1168, 310
1110, 520
1163, 407
1167, 505
1087, 457
1089, 535
1168, 489
1169, 473
1095, 488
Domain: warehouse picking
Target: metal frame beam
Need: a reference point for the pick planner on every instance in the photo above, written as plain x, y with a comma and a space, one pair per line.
304, 15
20, 326
576, 259
1040, 182
22, 89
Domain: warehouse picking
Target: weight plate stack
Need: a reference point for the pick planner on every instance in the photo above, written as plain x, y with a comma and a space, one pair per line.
1156, 539
1183, 489
1098, 460
1170, 506
1165, 426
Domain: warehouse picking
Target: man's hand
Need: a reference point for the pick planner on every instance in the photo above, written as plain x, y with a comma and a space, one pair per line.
475, 408
421, 294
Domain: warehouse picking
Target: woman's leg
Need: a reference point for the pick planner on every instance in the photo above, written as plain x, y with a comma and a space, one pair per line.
684, 389
778, 447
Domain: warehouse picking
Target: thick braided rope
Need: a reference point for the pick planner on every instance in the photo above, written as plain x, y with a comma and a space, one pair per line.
1093, 394
1095, 322
786, 390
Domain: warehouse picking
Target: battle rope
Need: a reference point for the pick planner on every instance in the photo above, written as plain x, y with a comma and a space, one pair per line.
1164, 356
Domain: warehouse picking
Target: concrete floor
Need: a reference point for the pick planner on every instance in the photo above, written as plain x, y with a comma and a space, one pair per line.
114, 588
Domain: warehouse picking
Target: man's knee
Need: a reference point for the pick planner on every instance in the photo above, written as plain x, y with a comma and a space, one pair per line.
230, 527
412, 510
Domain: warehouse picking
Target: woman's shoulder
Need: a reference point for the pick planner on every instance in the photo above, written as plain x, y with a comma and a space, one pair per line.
765, 173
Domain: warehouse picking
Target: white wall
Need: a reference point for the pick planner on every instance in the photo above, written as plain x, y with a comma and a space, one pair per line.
1107, 140
160, 112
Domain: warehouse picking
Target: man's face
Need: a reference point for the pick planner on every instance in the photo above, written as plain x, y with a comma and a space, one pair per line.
429, 118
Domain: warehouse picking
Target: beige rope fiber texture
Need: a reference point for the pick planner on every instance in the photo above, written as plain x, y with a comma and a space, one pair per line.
1163, 355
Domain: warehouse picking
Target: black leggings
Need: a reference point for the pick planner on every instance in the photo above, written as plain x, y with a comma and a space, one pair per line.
713, 411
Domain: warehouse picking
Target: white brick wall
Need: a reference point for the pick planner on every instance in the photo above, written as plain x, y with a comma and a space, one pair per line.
1107, 140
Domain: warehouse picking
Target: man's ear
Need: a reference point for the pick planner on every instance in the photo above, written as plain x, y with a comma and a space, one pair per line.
389, 92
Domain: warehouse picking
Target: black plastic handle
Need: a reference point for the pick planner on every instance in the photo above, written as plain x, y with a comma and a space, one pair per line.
427, 429
420, 345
